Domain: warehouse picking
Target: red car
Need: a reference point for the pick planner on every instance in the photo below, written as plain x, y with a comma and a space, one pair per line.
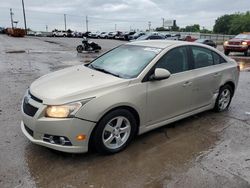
240, 43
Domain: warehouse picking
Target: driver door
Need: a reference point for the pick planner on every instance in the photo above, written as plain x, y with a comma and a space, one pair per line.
170, 97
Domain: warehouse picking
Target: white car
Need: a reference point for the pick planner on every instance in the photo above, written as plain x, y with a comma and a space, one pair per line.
59, 34
130, 90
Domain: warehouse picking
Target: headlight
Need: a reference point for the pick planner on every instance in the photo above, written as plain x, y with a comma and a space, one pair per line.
64, 111
226, 43
244, 43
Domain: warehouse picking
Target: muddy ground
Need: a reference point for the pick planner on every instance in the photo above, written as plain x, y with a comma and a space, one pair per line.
206, 150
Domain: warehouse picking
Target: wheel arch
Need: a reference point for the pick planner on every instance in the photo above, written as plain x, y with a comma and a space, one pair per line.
133, 111
231, 84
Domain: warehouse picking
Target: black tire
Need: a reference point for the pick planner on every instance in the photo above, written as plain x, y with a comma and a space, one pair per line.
97, 136
226, 52
79, 49
247, 53
217, 107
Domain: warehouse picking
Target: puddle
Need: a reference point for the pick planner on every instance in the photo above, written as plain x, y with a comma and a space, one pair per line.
244, 63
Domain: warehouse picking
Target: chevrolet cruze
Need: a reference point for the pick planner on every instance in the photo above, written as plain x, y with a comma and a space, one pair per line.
129, 90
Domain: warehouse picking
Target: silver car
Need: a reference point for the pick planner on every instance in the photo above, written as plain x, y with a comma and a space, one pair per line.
129, 90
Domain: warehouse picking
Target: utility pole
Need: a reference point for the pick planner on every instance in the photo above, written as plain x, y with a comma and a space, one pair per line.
163, 20
11, 18
65, 24
46, 28
149, 26
24, 18
87, 22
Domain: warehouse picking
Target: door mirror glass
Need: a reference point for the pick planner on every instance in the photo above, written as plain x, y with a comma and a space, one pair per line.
160, 74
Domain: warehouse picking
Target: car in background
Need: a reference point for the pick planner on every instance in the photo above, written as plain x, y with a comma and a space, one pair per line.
187, 38
77, 34
169, 36
240, 43
59, 33
31, 33
111, 35
95, 34
128, 91
126, 35
136, 35
207, 42
104, 35
2, 30
152, 36
119, 35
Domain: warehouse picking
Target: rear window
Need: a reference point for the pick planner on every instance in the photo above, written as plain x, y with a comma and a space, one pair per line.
218, 59
202, 57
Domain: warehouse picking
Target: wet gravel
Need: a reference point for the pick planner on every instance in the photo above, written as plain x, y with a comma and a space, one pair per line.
206, 150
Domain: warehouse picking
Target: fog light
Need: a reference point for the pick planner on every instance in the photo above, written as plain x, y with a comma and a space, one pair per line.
51, 140
81, 137
62, 140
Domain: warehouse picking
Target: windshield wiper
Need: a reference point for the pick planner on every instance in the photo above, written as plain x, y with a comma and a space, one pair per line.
103, 70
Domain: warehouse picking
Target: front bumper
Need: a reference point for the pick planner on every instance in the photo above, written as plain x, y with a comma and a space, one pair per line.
35, 128
236, 48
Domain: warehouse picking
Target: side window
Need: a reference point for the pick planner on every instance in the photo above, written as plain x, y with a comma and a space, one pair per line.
218, 59
202, 57
174, 61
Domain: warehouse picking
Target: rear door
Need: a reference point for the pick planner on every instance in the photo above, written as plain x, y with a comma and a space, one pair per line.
207, 76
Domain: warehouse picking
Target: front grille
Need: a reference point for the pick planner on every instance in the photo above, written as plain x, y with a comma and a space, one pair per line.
234, 43
29, 130
29, 109
35, 98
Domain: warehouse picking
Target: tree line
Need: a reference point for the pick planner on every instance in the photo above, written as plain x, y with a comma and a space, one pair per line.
230, 24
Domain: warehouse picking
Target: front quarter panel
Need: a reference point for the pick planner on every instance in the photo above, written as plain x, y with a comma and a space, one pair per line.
133, 95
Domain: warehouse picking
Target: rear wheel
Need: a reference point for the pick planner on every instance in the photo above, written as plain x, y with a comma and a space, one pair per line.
114, 131
79, 49
224, 98
226, 52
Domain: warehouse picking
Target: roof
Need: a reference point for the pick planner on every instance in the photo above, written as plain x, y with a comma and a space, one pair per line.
156, 43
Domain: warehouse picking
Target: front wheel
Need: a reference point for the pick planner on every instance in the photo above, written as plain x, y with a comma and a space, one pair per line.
247, 53
114, 131
79, 49
224, 98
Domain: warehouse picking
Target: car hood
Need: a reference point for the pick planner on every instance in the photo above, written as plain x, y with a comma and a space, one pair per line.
74, 84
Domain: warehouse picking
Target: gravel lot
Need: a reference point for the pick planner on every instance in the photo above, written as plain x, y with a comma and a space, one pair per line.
206, 150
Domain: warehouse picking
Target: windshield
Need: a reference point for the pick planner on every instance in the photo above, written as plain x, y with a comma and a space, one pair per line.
126, 61
242, 36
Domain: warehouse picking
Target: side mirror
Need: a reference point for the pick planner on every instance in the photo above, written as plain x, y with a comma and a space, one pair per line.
160, 74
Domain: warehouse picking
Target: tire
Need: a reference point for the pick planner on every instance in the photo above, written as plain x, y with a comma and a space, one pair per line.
79, 49
226, 52
247, 53
114, 132
224, 98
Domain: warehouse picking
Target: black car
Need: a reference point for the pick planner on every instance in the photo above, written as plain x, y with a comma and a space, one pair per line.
127, 34
207, 42
135, 35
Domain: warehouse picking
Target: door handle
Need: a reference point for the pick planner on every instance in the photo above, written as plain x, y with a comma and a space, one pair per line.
187, 83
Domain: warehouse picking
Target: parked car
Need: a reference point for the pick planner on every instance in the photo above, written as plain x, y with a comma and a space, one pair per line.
169, 36
95, 34
106, 103
207, 42
104, 35
59, 34
136, 35
152, 36
2, 30
38, 34
240, 43
126, 35
31, 33
111, 35
119, 35
187, 38
77, 34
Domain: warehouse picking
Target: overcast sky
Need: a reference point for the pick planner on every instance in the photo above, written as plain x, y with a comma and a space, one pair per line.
125, 14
